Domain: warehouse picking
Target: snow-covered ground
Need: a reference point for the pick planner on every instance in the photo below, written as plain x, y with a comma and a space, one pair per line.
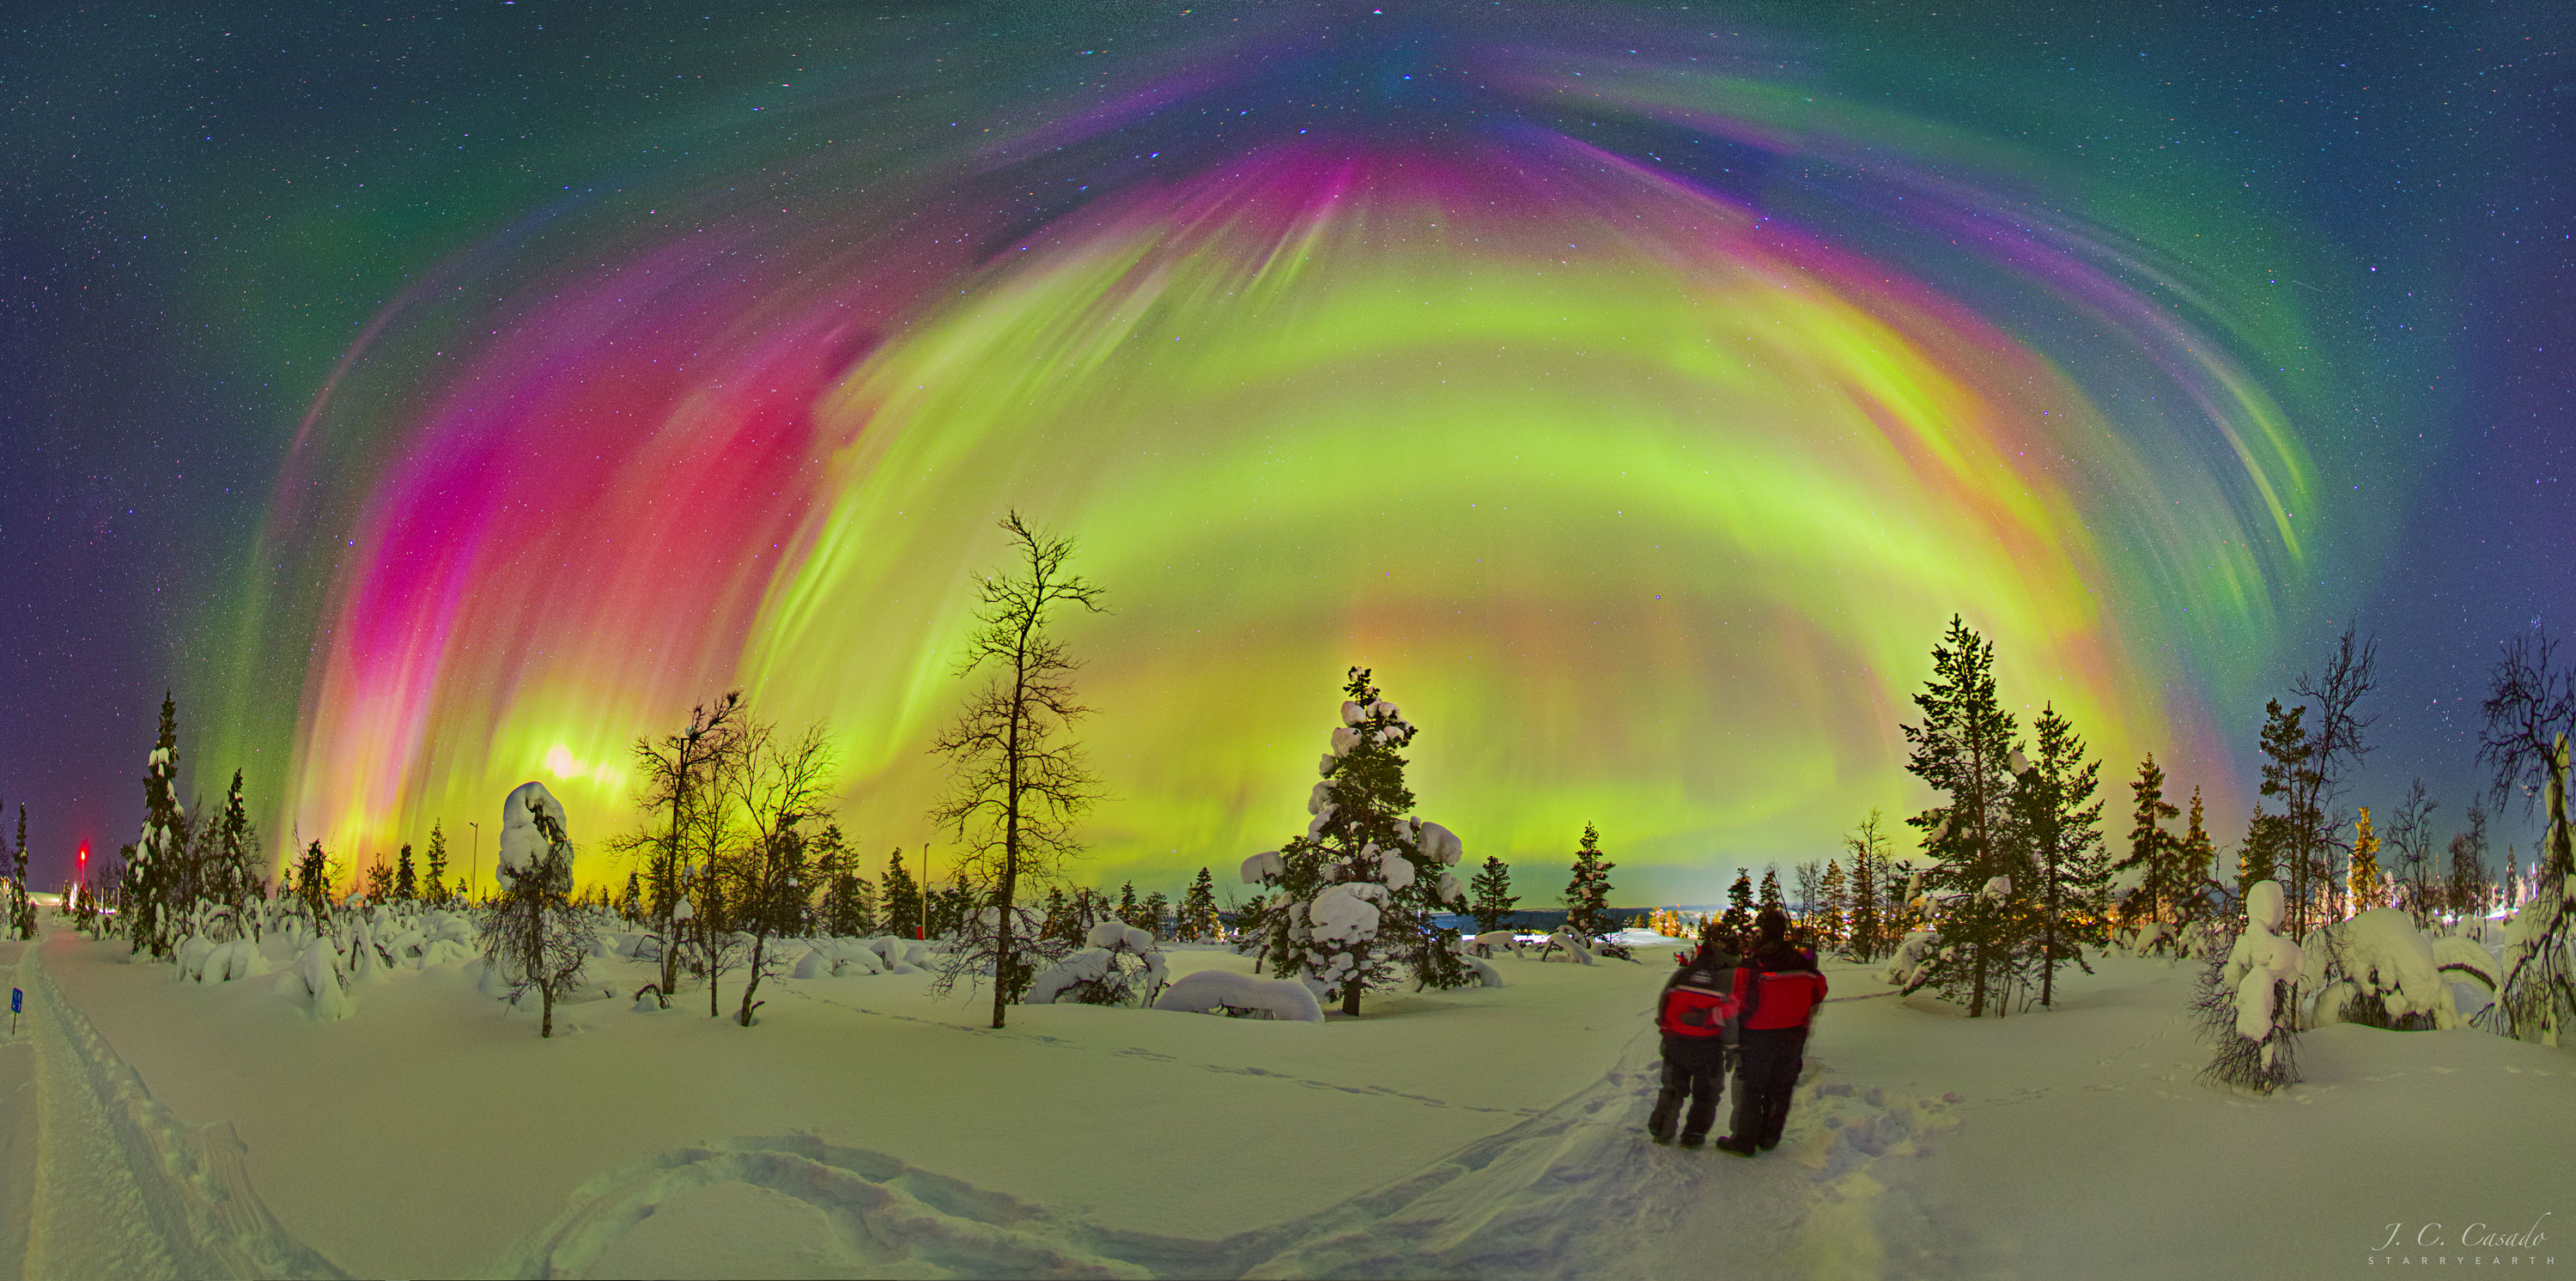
153, 1127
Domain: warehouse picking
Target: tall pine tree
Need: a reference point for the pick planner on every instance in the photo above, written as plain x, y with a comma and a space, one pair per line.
1737, 921
2148, 859
1587, 896
1962, 749
1865, 919
901, 902
1771, 901
2059, 821
152, 879
1197, 921
1833, 905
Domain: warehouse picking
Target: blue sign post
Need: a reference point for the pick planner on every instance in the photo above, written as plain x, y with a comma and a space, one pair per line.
15, 996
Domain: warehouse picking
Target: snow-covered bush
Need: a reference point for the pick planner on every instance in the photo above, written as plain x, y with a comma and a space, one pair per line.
1906, 968
1226, 992
532, 935
1120, 966
1569, 943
2375, 969
1485, 943
2248, 1001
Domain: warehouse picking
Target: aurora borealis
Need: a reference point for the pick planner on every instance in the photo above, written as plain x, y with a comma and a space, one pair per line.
1636, 392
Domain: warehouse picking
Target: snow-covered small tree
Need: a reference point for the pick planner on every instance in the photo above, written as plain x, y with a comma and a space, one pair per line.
406, 877
1492, 900
532, 931
2248, 1001
22, 910
1118, 965
1353, 898
1587, 895
153, 876
435, 891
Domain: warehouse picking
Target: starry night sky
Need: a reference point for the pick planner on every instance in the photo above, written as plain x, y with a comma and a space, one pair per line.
309, 308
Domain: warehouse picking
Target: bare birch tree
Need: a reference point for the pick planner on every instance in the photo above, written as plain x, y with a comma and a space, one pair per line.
784, 783
682, 781
1017, 781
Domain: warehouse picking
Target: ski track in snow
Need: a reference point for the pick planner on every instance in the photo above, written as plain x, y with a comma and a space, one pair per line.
1573, 1190
121, 1188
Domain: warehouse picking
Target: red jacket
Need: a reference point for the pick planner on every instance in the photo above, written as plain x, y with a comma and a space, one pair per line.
1789, 993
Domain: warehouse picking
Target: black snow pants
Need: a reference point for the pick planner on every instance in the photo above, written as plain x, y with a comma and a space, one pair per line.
1694, 1069
1766, 1074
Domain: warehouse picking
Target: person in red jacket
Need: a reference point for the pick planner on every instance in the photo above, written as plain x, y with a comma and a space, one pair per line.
1694, 1013
1776, 992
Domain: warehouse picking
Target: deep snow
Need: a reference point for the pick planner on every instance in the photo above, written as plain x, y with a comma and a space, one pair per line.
865, 1128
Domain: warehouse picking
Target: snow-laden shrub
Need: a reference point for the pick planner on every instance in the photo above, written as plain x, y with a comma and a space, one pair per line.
1571, 945
1906, 968
1121, 966
1226, 992
1485, 943
319, 981
2248, 1001
2375, 969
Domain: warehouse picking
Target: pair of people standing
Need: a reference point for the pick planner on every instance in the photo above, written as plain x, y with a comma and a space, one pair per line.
1750, 1010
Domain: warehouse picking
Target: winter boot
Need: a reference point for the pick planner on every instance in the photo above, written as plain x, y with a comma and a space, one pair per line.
1740, 1147
1693, 1140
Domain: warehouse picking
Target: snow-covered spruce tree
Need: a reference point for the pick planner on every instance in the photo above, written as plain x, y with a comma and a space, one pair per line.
1587, 895
233, 878
1196, 921
152, 906
406, 877
1492, 900
1353, 898
2248, 1000
22, 910
2530, 711
1963, 749
532, 931
1017, 781
1771, 900
2059, 822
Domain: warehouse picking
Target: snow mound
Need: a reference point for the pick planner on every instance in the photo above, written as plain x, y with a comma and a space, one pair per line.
1204, 991
1575, 948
